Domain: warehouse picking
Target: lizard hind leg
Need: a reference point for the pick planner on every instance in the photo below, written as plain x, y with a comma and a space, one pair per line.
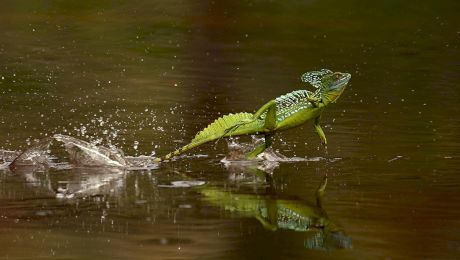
269, 125
260, 148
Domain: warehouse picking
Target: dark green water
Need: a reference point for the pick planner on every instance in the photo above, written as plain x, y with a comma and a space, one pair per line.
147, 75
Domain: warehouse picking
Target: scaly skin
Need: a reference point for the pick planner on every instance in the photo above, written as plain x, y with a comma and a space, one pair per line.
285, 112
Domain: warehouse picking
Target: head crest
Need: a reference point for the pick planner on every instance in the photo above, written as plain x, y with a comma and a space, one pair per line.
314, 77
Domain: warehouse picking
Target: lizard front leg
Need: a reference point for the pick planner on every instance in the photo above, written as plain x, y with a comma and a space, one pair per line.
320, 132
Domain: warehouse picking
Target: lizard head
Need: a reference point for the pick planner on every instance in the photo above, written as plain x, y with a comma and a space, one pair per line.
330, 84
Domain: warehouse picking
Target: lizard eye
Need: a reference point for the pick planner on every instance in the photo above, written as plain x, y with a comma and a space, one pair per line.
337, 76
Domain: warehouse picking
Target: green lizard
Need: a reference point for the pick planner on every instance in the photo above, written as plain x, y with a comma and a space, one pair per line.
283, 113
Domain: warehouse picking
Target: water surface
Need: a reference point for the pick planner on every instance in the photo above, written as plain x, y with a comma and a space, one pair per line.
145, 76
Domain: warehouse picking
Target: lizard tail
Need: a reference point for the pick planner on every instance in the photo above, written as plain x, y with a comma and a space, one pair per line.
176, 152
221, 127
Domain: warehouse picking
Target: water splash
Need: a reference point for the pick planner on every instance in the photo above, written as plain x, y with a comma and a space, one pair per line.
66, 152
36, 156
237, 153
6, 157
82, 153
72, 152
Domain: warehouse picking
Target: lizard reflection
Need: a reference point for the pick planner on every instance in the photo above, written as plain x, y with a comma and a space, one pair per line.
276, 212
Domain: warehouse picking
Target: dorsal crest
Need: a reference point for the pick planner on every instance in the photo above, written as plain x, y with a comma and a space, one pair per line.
314, 77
